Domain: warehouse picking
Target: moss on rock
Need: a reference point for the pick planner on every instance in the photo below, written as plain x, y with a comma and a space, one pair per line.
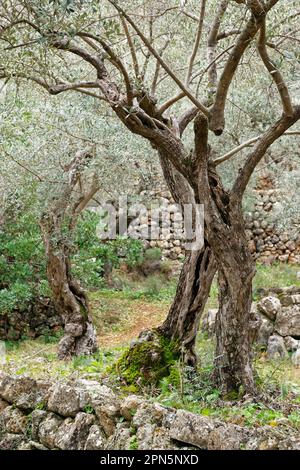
148, 360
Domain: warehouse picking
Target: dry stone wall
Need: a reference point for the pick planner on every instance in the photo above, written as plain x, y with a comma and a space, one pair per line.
34, 320
267, 243
275, 323
86, 415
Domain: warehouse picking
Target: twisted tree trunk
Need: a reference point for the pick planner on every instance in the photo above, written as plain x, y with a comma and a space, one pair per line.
69, 297
233, 358
197, 273
225, 231
70, 300
182, 322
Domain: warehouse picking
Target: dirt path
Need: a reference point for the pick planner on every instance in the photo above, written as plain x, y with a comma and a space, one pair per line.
119, 319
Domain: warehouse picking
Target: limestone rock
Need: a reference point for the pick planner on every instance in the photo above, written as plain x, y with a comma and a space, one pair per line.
95, 439
270, 307
226, 438
66, 400
37, 416
207, 433
291, 343
276, 347
155, 413
12, 441
48, 430
108, 416
288, 321
72, 434
152, 437
13, 420
23, 392
121, 439
130, 405
191, 429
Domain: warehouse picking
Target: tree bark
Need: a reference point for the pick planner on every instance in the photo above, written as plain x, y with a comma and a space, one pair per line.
225, 231
233, 357
182, 322
69, 297
197, 273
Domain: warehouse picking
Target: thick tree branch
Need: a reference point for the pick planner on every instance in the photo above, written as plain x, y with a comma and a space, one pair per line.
217, 121
114, 59
276, 131
211, 47
274, 72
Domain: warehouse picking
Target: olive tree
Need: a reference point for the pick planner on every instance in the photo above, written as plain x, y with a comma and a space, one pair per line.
114, 52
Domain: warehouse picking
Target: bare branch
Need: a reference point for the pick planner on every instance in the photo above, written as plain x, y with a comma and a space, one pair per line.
274, 72
211, 47
161, 61
114, 59
170, 102
196, 43
276, 131
227, 34
248, 143
217, 121
131, 47
157, 68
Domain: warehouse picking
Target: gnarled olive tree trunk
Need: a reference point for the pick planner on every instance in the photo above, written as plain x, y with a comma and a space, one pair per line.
182, 322
234, 327
197, 273
225, 231
69, 297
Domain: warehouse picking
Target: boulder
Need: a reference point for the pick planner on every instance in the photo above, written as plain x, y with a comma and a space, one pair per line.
152, 437
270, 307
288, 321
207, 433
95, 439
108, 416
13, 420
130, 405
291, 343
72, 434
276, 347
121, 439
66, 399
37, 416
23, 392
12, 441
48, 430
149, 413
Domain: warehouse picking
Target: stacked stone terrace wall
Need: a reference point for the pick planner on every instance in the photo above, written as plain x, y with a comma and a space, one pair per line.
87, 415
267, 242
